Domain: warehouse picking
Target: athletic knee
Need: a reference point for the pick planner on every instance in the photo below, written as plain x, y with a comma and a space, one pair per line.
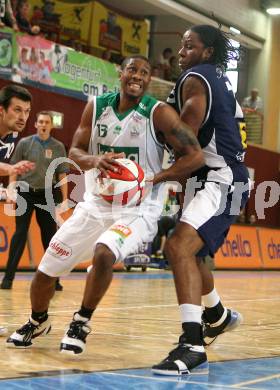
178, 247
172, 248
103, 259
42, 279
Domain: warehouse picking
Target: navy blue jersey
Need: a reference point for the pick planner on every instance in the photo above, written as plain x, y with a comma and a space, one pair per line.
7, 146
222, 135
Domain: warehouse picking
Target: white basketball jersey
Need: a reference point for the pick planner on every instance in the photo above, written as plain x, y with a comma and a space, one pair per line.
131, 133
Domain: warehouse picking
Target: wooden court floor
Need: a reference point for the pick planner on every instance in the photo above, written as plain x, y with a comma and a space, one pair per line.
138, 322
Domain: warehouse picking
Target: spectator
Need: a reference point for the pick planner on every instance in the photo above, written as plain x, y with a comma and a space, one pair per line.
7, 17
74, 44
22, 18
107, 55
156, 71
14, 6
42, 149
37, 15
163, 62
78, 46
242, 217
254, 101
252, 219
174, 71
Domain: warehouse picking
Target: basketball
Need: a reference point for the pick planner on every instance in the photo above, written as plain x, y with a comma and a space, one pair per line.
124, 187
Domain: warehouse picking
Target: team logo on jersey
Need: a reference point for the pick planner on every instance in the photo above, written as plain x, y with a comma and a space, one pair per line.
137, 117
134, 132
117, 130
6, 150
171, 97
142, 106
219, 72
105, 112
240, 156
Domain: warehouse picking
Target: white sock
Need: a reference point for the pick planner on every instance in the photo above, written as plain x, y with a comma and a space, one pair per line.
211, 299
190, 313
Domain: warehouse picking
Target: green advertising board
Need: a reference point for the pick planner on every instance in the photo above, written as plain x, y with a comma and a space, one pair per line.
41, 63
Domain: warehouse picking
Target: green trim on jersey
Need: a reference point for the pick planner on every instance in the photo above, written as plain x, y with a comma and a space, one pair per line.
144, 107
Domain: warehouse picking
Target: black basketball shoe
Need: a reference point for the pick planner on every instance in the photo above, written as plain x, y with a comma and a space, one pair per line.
185, 359
212, 331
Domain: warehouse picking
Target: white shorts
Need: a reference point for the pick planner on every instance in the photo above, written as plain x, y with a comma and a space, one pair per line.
77, 238
213, 208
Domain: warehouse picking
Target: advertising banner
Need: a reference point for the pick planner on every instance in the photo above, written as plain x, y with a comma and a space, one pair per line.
62, 69
116, 32
270, 247
6, 53
7, 229
240, 249
73, 19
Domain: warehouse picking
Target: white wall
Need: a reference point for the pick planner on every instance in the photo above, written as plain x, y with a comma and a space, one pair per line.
244, 14
259, 65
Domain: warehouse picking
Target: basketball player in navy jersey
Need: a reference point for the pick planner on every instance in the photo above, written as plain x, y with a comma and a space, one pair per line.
204, 99
98, 230
15, 108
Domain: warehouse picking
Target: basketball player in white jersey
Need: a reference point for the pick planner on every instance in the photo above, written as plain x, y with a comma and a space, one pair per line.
114, 125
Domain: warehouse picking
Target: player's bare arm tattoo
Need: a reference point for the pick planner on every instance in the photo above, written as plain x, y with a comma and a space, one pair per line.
185, 136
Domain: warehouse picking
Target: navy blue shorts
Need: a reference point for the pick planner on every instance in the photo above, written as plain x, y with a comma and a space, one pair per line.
215, 205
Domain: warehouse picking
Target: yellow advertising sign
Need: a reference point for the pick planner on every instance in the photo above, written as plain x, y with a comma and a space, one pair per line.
74, 19
116, 32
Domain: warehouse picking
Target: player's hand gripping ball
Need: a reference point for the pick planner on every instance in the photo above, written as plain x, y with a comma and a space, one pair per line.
124, 187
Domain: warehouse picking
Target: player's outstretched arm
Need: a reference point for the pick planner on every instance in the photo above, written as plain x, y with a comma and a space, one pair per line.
16, 169
171, 130
5, 169
80, 144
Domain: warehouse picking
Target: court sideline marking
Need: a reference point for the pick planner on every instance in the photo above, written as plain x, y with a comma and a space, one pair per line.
177, 380
253, 381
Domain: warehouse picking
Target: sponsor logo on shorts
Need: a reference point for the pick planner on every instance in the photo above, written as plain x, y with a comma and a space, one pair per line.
59, 249
120, 241
122, 230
